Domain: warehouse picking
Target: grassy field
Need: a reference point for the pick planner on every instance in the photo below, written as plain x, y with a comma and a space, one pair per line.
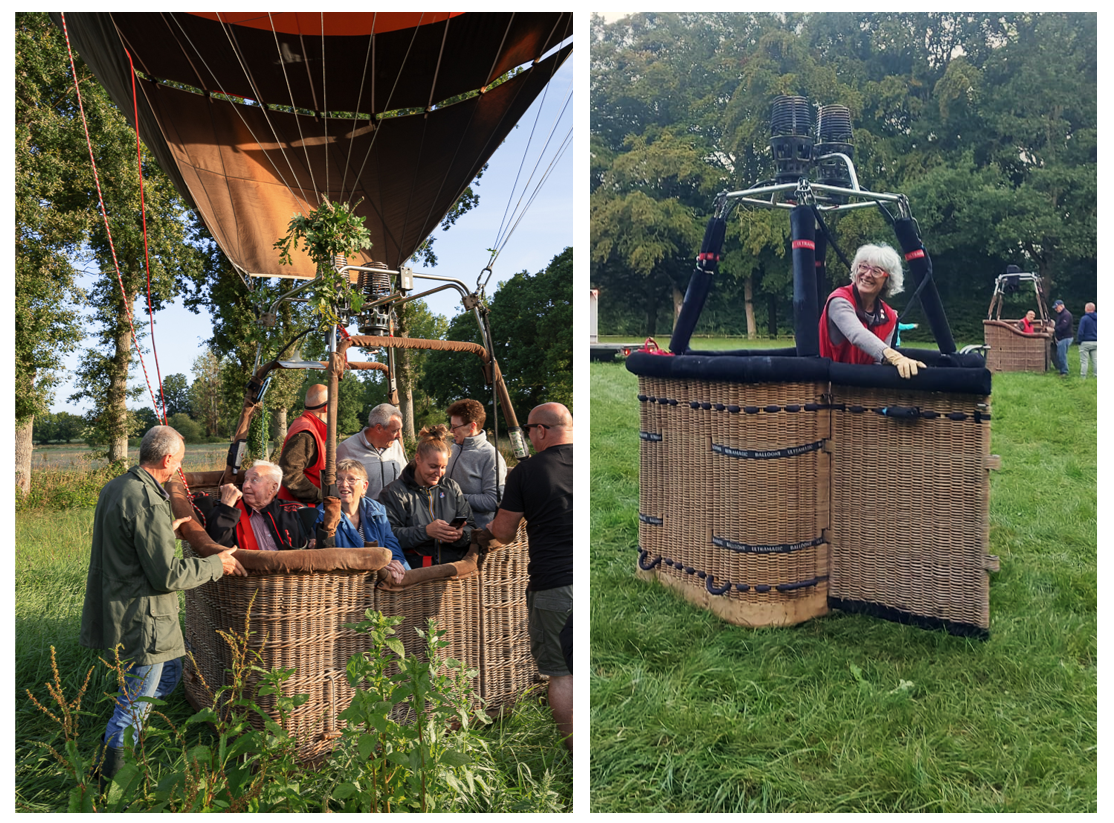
532, 770
848, 713
79, 457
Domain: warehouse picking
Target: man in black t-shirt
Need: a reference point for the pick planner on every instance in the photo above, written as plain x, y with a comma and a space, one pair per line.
540, 489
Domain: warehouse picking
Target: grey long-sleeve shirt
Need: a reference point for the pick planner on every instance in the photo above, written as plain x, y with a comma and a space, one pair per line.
480, 472
844, 324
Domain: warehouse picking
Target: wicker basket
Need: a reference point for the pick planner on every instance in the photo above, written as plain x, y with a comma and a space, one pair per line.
297, 621
769, 502
1010, 349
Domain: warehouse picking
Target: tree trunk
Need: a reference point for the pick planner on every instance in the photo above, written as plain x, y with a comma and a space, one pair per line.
280, 426
748, 302
407, 397
651, 313
23, 448
117, 399
405, 374
678, 301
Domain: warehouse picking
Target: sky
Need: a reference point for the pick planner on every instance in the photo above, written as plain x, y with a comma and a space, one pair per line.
544, 231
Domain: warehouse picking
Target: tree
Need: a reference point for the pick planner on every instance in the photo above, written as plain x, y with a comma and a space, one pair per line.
987, 122
531, 326
206, 397
58, 427
49, 230
176, 394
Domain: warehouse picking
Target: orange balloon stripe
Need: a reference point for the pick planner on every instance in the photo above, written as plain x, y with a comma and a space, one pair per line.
335, 23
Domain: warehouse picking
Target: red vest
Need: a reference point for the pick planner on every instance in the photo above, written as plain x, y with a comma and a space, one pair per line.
308, 422
845, 352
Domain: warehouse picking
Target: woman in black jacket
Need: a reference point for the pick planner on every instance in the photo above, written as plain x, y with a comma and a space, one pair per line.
428, 513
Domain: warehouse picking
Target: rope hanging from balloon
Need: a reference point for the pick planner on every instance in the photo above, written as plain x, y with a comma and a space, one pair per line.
108, 232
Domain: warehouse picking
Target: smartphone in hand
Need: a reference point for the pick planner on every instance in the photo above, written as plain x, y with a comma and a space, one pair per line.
458, 522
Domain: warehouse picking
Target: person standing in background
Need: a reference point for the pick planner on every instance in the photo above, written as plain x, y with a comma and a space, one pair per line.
1089, 341
1063, 333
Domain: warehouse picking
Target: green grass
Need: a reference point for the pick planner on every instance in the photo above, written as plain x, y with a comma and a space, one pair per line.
848, 713
528, 765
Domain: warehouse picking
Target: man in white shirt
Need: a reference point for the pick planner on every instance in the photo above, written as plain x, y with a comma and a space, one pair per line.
378, 447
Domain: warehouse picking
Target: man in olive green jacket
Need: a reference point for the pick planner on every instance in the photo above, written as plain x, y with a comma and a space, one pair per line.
131, 595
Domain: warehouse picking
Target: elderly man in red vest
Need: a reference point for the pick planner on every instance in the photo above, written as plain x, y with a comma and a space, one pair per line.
303, 451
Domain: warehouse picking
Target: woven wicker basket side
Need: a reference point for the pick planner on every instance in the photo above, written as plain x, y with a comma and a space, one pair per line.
507, 667
1010, 349
742, 528
296, 622
454, 604
925, 561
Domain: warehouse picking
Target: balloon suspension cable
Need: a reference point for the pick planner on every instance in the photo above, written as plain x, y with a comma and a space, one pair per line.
108, 231
499, 241
231, 96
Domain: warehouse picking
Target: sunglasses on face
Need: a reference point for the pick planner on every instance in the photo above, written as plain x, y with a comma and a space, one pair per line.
529, 426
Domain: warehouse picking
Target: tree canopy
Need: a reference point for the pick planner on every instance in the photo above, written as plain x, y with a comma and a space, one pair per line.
531, 327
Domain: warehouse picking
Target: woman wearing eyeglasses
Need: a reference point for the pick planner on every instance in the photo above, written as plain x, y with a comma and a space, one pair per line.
475, 464
857, 326
427, 511
363, 520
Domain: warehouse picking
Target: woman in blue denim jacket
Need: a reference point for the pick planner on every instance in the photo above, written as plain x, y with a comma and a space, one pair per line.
363, 520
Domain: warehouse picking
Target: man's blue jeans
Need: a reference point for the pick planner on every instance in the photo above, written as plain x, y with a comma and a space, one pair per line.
1062, 354
156, 680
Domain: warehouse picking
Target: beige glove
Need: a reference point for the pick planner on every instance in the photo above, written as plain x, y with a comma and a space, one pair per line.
906, 366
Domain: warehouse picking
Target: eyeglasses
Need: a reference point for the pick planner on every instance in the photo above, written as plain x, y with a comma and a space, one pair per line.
529, 426
453, 428
874, 271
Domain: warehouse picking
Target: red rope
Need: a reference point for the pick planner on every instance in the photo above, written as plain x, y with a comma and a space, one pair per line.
146, 252
104, 214
108, 231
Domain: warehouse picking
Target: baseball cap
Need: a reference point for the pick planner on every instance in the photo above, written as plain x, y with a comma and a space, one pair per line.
1058, 303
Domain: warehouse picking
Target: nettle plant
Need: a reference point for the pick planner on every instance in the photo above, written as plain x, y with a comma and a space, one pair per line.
331, 230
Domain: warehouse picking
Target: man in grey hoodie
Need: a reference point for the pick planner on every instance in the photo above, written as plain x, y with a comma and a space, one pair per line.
378, 447
475, 464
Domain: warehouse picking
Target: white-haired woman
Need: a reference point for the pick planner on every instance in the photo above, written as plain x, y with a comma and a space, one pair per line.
857, 326
363, 520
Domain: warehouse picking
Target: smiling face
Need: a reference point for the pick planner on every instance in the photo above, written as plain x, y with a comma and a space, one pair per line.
870, 280
429, 467
350, 486
259, 489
